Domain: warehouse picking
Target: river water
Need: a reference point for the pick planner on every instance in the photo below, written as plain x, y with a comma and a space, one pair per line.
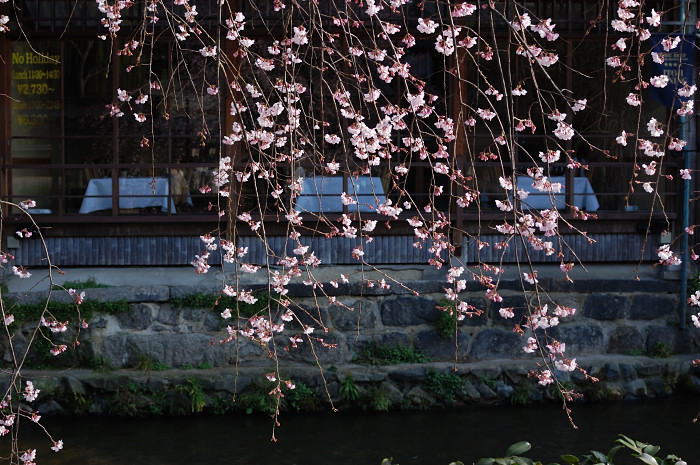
425, 438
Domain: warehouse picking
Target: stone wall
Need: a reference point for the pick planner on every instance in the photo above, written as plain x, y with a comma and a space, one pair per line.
612, 318
616, 324
138, 392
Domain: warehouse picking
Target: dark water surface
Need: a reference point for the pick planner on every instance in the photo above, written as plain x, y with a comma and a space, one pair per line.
426, 438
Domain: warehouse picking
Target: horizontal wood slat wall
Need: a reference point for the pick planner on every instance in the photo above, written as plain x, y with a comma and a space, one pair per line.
180, 250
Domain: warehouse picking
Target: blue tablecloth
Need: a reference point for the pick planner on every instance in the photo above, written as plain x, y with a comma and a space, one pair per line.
584, 197
322, 194
98, 195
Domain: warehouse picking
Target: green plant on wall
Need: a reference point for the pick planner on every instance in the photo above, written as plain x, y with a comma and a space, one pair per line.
145, 363
40, 356
374, 353
161, 403
100, 364
63, 311
444, 385
489, 383
522, 393
193, 390
124, 401
660, 350
377, 398
446, 319
564, 390
80, 404
349, 390
222, 404
220, 302
302, 397
257, 400
670, 381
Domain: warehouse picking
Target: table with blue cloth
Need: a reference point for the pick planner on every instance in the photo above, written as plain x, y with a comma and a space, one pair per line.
133, 193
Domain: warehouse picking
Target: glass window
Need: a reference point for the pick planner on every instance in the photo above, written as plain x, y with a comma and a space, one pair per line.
66, 148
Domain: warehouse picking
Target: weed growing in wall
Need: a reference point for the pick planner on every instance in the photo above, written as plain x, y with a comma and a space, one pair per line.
349, 390
374, 353
264, 300
446, 319
445, 386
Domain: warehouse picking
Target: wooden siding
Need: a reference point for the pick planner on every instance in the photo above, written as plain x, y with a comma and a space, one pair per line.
180, 250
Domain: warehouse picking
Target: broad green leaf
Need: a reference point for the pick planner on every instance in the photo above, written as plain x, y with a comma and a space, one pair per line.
518, 448
522, 461
600, 456
673, 460
387, 462
486, 461
630, 443
572, 459
456, 463
651, 450
612, 453
648, 459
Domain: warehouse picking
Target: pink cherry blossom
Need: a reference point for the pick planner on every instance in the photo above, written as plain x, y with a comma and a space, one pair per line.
463, 9
686, 108
531, 345
659, 81
686, 90
669, 43
21, 272
564, 131
426, 26
654, 19
27, 204
655, 128
633, 100
544, 378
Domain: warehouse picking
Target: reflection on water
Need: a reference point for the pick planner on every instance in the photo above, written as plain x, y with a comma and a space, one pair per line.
424, 438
